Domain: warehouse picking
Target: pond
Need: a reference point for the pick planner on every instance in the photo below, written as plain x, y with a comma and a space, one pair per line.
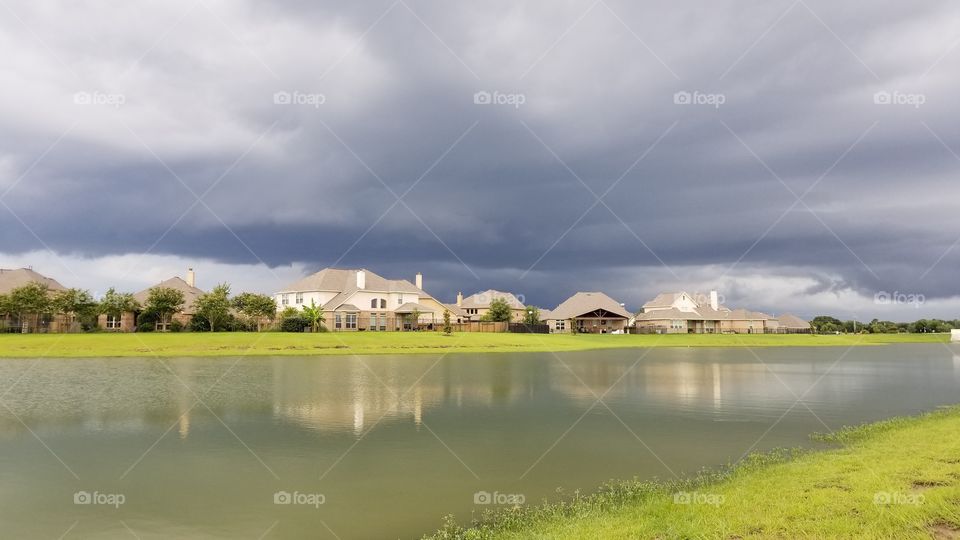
385, 446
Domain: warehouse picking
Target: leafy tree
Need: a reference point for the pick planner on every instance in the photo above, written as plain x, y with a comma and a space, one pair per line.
532, 316
115, 304
259, 307
31, 299
294, 323
414, 319
499, 311
447, 327
314, 315
214, 306
824, 323
73, 305
163, 302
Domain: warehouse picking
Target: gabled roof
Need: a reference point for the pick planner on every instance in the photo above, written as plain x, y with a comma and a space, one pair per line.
586, 302
190, 293
410, 307
483, 299
455, 310
345, 279
663, 300
13, 278
788, 320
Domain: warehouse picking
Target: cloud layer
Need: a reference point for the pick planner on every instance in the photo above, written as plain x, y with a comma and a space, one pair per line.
798, 155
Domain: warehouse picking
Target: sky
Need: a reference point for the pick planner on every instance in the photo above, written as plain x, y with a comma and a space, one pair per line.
797, 156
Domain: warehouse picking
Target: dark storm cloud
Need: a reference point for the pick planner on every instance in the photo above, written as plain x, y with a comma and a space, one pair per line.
506, 194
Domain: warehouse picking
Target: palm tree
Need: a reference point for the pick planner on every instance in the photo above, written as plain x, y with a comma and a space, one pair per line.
314, 314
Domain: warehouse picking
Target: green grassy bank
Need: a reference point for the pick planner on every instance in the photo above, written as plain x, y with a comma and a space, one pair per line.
275, 343
898, 478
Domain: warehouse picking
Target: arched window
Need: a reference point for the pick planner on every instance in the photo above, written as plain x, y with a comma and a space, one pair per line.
383, 303
373, 303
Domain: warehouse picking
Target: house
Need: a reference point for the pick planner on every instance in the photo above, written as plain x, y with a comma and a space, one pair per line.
128, 321
791, 324
698, 313
11, 279
361, 300
588, 312
477, 305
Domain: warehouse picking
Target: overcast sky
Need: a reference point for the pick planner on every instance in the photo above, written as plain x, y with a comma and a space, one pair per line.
797, 156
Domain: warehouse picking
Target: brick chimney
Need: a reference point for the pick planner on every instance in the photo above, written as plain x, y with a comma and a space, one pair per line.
191, 277
361, 279
459, 299
419, 281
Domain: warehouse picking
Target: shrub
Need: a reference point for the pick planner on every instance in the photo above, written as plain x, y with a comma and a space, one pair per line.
176, 326
295, 323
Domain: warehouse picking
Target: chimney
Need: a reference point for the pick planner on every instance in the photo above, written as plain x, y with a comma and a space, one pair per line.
419, 281
191, 277
361, 279
714, 300
459, 299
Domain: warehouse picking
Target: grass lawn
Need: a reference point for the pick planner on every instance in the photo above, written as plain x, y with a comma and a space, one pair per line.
276, 343
894, 479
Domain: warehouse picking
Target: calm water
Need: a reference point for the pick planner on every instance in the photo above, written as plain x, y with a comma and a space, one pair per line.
199, 447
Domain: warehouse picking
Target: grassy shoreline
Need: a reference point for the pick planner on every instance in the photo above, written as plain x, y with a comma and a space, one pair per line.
898, 478
285, 344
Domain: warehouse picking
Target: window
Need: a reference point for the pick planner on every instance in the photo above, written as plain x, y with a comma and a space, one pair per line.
383, 303
383, 321
299, 298
113, 322
337, 322
400, 300
284, 299
560, 325
603, 322
676, 325
351, 321
373, 303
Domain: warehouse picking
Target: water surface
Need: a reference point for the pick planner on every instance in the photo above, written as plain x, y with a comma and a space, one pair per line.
198, 447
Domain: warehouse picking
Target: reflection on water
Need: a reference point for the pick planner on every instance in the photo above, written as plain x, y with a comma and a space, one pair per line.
199, 446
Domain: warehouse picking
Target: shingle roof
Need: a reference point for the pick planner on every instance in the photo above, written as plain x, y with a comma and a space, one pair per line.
586, 302
190, 293
483, 299
663, 300
788, 320
409, 307
343, 279
12, 278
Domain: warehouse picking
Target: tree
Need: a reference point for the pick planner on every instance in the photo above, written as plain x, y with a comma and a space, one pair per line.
116, 304
31, 299
74, 304
414, 318
214, 306
258, 307
499, 311
163, 302
447, 327
824, 323
532, 316
314, 314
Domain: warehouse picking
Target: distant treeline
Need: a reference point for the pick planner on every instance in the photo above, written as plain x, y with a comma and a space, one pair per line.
828, 325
